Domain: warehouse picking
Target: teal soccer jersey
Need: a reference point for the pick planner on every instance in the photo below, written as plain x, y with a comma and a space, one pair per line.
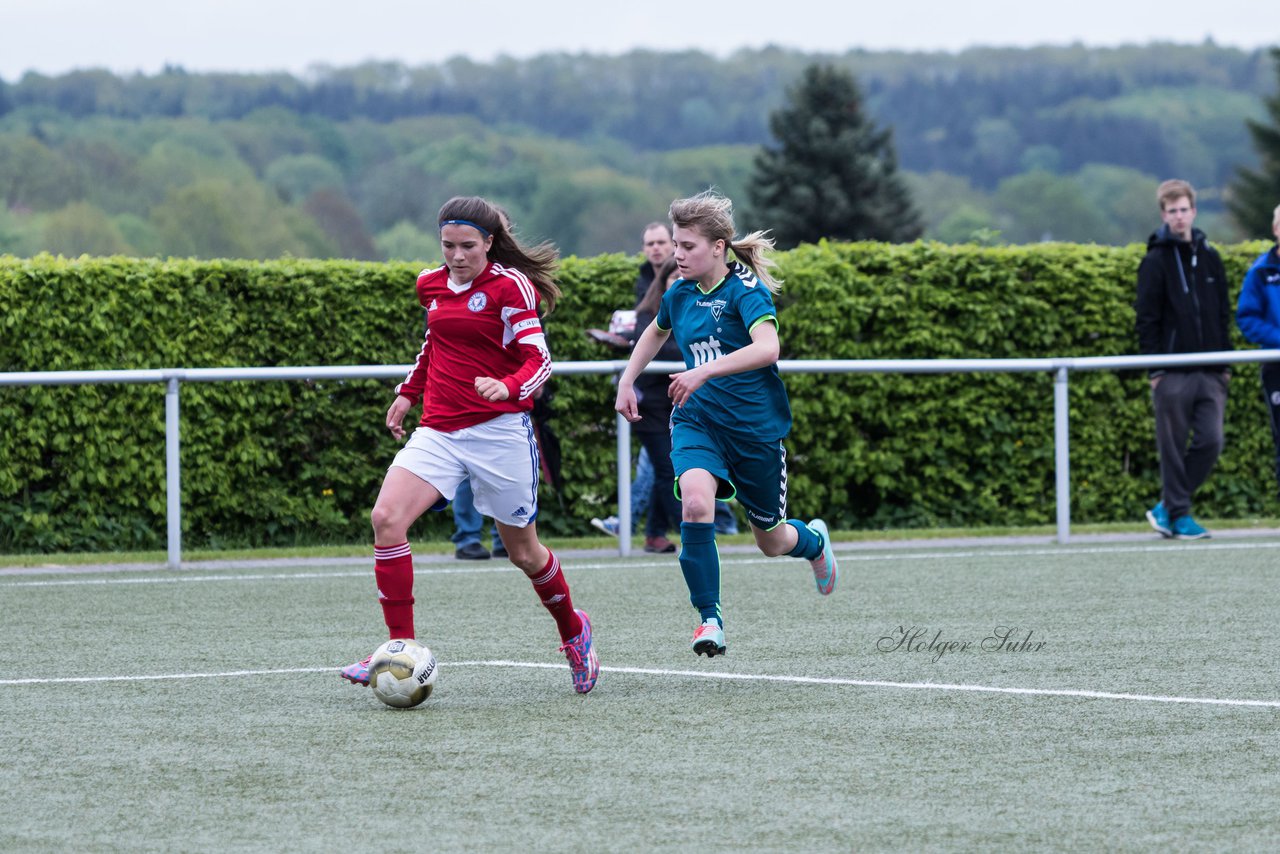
751, 406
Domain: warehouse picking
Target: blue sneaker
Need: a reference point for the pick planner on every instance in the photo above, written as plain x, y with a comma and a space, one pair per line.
608, 525
1186, 528
584, 664
708, 639
1159, 519
825, 570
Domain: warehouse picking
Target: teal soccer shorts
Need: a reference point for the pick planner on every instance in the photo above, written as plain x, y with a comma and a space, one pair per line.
755, 473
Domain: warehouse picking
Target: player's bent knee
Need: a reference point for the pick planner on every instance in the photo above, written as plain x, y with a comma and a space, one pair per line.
526, 560
697, 509
386, 522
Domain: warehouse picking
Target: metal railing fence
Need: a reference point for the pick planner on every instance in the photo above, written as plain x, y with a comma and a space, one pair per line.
1060, 368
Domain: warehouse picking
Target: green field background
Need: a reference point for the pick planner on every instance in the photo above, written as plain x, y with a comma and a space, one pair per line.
662, 756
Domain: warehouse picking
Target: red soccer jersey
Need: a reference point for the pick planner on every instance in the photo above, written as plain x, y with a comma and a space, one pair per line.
488, 328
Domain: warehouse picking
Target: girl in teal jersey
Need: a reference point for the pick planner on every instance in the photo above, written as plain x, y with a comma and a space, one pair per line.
731, 409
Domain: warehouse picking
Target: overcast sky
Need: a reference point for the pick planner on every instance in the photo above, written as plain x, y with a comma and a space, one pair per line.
55, 36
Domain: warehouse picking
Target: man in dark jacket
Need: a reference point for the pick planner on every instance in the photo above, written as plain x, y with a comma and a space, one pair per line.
657, 249
1182, 307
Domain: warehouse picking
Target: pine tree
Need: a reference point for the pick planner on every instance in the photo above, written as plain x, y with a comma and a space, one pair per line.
833, 174
1254, 195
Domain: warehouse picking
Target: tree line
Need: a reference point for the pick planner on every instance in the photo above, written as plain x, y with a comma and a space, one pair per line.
995, 145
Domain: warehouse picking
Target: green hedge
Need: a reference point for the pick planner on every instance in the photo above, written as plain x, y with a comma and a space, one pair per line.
293, 462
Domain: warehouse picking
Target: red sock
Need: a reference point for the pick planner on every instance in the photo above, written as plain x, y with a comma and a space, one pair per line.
393, 570
553, 590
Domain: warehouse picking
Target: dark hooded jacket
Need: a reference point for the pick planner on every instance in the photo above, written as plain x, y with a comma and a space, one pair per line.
643, 280
1182, 304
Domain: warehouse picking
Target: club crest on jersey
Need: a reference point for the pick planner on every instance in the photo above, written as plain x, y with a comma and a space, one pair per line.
478, 301
716, 306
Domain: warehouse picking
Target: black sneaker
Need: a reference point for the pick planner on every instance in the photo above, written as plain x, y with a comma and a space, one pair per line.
472, 551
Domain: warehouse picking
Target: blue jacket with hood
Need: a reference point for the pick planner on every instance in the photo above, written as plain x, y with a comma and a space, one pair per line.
1258, 310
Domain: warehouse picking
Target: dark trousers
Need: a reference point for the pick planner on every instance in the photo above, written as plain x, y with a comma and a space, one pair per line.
664, 507
1271, 396
1189, 405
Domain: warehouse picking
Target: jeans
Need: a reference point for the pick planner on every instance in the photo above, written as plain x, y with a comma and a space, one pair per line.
467, 520
641, 488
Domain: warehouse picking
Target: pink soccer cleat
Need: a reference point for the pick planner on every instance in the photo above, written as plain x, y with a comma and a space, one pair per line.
358, 673
584, 664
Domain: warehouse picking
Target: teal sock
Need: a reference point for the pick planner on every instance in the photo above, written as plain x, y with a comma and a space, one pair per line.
808, 544
700, 563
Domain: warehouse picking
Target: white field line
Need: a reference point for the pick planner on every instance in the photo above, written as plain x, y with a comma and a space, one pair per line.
698, 674
278, 576
161, 677
621, 564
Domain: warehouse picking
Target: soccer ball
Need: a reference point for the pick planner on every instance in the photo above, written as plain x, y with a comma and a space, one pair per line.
402, 673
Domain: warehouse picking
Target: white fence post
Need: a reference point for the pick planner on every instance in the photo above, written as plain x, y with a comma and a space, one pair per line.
1062, 453
173, 473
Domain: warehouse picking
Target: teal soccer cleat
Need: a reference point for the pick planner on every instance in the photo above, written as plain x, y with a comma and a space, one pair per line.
825, 570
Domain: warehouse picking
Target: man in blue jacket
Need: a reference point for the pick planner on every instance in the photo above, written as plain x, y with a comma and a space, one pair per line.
1182, 307
1258, 316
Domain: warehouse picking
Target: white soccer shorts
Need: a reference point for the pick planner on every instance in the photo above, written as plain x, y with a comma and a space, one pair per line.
500, 456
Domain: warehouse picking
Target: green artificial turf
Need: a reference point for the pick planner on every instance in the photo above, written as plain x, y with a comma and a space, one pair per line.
816, 732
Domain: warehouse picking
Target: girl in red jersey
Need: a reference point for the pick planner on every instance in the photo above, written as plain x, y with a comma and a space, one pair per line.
483, 358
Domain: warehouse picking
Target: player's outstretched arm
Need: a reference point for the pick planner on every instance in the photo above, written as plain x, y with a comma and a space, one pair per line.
647, 346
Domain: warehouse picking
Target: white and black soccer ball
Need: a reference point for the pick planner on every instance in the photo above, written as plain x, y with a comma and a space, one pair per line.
402, 673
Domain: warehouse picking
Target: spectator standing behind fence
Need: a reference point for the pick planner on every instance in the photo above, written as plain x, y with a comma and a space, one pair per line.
483, 356
1258, 316
731, 409
657, 247
655, 243
654, 427
1182, 307
657, 251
